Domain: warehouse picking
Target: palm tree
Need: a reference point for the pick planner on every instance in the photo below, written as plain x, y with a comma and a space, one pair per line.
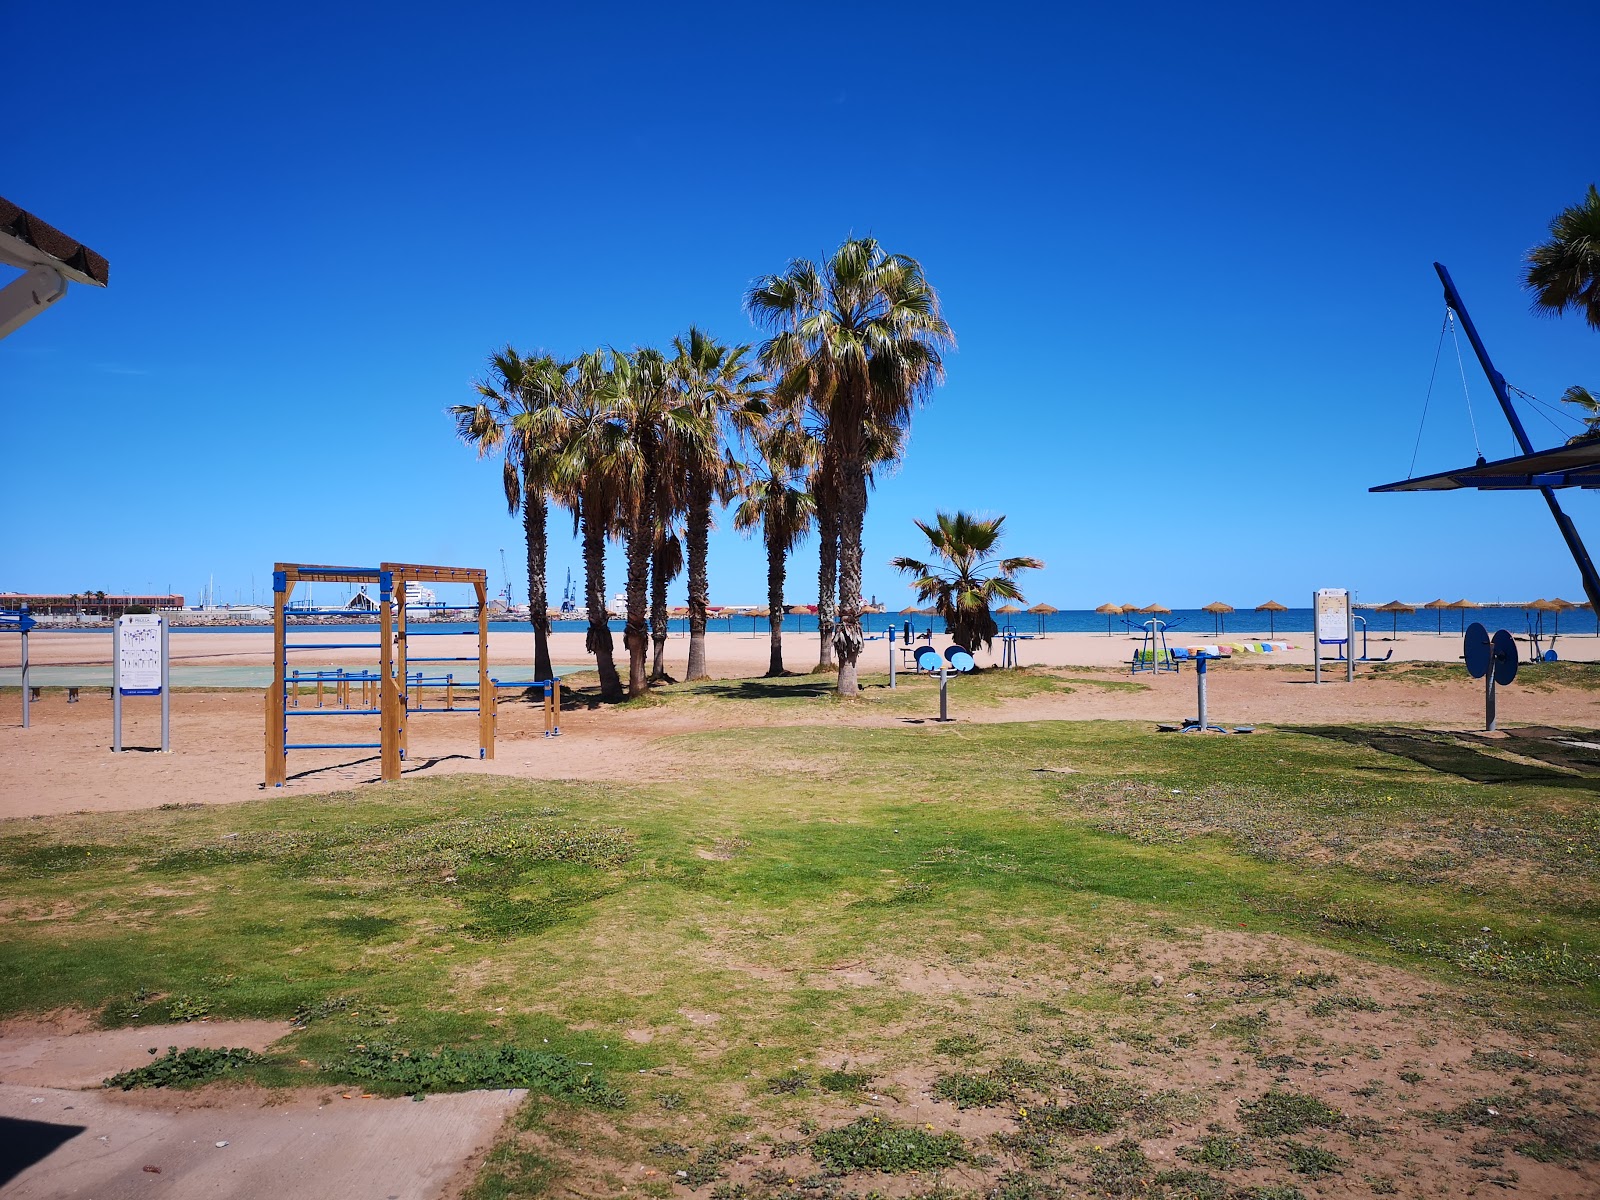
723, 390
774, 498
519, 412
860, 340
1564, 272
1583, 399
969, 577
883, 448
660, 433
587, 477
666, 564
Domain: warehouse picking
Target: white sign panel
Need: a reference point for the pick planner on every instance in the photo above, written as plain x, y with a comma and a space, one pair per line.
1333, 615
139, 655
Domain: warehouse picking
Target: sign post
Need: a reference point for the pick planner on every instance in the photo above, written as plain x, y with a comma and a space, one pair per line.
140, 667
1333, 624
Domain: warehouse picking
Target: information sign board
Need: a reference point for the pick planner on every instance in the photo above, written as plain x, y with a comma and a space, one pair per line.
139, 654
1333, 616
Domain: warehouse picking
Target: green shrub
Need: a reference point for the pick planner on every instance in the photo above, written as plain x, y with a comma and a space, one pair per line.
182, 1068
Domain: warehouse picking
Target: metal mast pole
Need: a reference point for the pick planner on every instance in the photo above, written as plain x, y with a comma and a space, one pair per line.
1497, 381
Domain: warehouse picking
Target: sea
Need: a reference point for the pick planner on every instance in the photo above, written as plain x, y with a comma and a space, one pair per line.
1187, 621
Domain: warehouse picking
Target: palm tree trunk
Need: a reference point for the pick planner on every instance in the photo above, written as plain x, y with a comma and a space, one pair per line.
636, 634
827, 582
699, 584
594, 585
535, 513
775, 611
852, 516
658, 608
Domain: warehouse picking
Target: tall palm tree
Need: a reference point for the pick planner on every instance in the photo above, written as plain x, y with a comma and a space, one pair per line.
860, 340
519, 413
774, 498
661, 436
666, 564
969, 575
1564, 272
588, 476
722, 389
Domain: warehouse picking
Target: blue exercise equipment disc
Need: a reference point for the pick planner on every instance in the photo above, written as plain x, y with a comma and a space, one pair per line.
1478, 652
962, 661
1505, 656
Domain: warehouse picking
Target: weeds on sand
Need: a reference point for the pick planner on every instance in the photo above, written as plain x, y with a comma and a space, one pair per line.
1277, 1113
184, 1068
395, 1068
875, 1144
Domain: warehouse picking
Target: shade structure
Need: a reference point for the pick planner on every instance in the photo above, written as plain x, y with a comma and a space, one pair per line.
1009, 608
1217, 609
1272, 608
909, 610
1463, 605
1438, 607
1156, 608
1108, 611
1394, 608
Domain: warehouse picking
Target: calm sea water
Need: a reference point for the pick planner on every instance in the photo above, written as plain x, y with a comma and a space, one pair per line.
1185, 621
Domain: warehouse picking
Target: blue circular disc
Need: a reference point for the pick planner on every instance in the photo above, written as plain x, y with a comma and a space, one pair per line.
1505, 656
1476, 649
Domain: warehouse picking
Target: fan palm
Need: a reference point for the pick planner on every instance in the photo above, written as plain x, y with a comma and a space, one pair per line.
659, 433
883, 447
859, 339
774, 498
666, 564
1564, 272
969, 577
1583, 399
720, 387
519, 413
589, 477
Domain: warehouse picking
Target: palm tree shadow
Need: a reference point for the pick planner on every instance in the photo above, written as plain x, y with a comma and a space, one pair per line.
804, 687
1448, 754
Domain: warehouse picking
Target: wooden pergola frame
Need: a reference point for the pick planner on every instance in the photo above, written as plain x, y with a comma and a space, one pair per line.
393, 692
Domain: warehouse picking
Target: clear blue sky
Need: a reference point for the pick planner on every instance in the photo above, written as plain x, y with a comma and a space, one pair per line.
1185, 248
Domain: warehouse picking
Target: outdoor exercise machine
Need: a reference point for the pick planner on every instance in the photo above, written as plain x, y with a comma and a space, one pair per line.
392, 684
140, 666
955, 658
1365, 656
1332, 624
549, 692
1202, 723
1493, 660
1153, 655
20, 622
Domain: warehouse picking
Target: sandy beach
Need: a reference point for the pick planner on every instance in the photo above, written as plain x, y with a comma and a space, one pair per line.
728, 655
62, 763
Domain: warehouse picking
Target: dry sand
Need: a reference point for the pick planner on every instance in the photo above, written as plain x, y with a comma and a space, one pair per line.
727, 654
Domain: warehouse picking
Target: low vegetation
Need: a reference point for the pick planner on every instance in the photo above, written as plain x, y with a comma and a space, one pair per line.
1013, 961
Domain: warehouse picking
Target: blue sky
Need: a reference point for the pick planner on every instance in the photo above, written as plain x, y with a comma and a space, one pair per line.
1186, 251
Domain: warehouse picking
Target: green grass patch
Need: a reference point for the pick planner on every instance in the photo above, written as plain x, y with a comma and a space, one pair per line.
185, 1068
875, 1144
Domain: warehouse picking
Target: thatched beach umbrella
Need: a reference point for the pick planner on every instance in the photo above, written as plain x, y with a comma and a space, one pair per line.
1008, 610
1463, 605
1394, 608
1108, 611
1561, 607
1042, 611
1438, 607
1217, 609
1272, 608
1156, 608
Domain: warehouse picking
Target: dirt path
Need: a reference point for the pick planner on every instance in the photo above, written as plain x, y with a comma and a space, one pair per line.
62, 1134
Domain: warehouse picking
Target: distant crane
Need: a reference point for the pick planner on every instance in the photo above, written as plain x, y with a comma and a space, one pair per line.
506, 576
568, 604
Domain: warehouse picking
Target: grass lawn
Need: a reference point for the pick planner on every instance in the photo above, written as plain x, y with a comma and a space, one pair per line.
1022, 960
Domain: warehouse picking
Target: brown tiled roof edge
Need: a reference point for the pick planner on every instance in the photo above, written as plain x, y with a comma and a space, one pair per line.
26, 227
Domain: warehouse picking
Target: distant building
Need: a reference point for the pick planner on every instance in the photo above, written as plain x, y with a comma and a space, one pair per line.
99, 604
